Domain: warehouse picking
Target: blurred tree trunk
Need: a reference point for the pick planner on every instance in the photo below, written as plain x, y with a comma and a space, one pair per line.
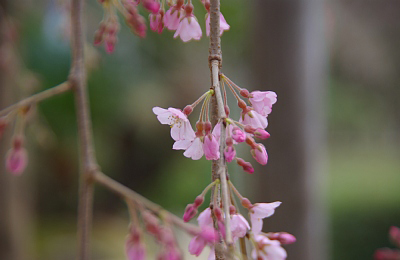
289, 57
15, 214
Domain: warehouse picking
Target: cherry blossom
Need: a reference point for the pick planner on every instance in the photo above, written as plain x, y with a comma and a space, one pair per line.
188, 27
172, 17
206, 236
260, 211
254, 119
156, 22
262, 101
230, 153
239, 226
211, 147
260, 154
268, 249
223, 25
194, 150
180, 125
204, 219
134, 248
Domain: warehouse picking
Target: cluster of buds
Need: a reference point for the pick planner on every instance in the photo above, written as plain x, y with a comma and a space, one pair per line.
264, 244
387, 253
205, 141
179, 18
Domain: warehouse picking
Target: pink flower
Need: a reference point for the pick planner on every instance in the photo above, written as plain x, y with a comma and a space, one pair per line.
254, 119
239, 226
180, 125
204, 219
195, 149
223, 25
217, 130
206, 236
188, 29
172, 18
283, 237
269, 249
151, 5
230, 153
156, 22
260, 211
190, 212
16, 160
260, 154
211, 147
238, 135
134, 248
262, 101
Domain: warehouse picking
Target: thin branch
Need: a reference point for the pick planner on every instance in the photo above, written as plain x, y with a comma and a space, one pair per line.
48, 93
88, 164
127, 193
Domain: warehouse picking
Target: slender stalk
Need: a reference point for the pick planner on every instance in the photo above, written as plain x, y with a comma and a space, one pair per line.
88, 164
48, 93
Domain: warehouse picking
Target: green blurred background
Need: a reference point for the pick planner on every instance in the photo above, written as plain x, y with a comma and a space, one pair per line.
362, 122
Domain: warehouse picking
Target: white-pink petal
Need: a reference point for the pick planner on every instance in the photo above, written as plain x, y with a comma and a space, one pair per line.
223, 25
195, 150
204, 219
188, 29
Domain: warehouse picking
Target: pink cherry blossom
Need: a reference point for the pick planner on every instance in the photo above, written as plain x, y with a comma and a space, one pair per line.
223, 25
230, 153
190, 212
261, 134
156, 22
206, 236
172, 18
211, 147
239, 226
195, 149
204, 219
180, 125
283, 237
188, 29
254, 119
260, 154
262, 101
217, 130
260, 211
16, 160
268, 249
151, 5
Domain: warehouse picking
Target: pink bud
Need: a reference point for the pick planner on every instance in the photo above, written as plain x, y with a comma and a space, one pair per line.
244, 93
227, 110
283, 237
238, 135
218, 213
261, 134
188, 110
247, 167
211, 147
190, 212
246, 203
16, 160
134, 248
229, 153
198, 201
207, 127
249, 129
151, 223
151, 5
260, 154
250, 141
232, 209
229, 141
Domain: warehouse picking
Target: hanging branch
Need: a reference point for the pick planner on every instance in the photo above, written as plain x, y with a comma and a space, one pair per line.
219, 168
88, 164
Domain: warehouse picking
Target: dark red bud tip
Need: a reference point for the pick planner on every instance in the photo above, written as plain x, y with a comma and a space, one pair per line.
242, 105
188, 8
227, 111
232, 209
246, 203
18, 142
179, 3
207, 127
207, 5
229, 141
188, 110
198, 201
218, 213
199, 126
244, 93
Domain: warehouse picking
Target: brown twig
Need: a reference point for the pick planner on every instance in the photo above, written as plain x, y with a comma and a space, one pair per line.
48, 93
88, 164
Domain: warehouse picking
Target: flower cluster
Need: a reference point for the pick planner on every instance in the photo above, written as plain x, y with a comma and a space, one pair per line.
387, 253
251, 124
179, 18
265, 245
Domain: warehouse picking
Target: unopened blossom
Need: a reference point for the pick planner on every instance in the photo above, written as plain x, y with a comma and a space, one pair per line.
260, 154
238, 135
283, 237
188, 27
16, 160
258, 212
262, 101
247, 167
134, 248
239, 226
151, 5
180, 125
223, 25
156, 22
268, 249
254, 119
190, 212
230, 153
211, 147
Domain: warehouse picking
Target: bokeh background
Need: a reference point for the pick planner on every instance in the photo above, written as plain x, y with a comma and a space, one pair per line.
334, 146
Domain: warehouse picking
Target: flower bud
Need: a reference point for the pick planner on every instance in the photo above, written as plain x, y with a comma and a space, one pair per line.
190, 212
249, 129
188, 9
260, 154
218, 213
151, 223
227, 110
246, 203
16, 160
242, 105
207, 127
283, 237
229, 153
250, 141
198, 201
151, 5
232, 209
188, 110
261, 134
244, 93
238, 135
